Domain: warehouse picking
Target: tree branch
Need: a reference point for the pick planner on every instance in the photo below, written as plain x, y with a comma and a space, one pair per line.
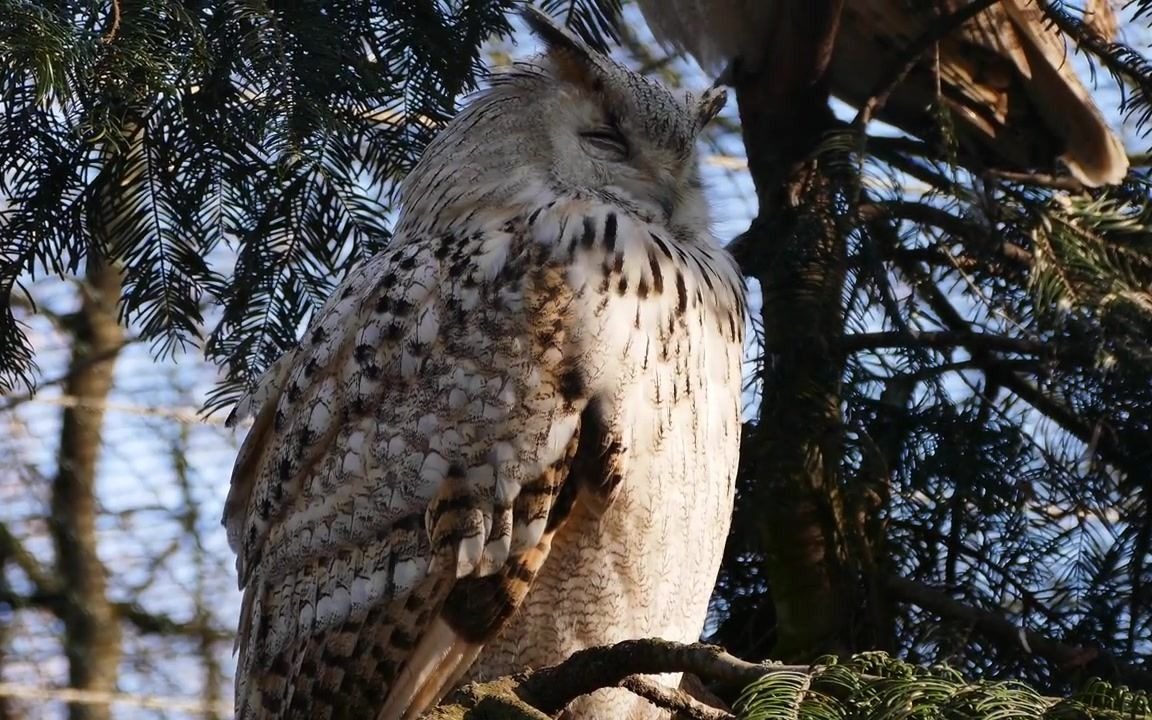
12, 549
942, 339
1003, 631
544, 693
1038, 179
673, 699
81, 366
1097, 436
973, 238
146, 623
589, 670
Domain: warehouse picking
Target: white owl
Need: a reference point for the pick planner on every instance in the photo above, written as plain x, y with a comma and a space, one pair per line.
514, 433
1005, 76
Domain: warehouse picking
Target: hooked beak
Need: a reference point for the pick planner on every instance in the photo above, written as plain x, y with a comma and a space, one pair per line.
668, 196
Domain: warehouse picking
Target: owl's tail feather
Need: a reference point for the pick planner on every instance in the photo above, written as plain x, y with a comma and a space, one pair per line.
473, 612
437, 663
355, 668
477, 606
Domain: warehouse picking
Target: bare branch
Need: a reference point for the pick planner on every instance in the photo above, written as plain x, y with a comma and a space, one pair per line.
12, 549
943, 339
102, 698
673, 699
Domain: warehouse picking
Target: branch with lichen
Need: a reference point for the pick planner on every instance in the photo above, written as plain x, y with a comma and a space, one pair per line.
871, 685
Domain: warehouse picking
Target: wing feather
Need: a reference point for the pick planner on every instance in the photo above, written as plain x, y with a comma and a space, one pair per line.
414, 457
395, 496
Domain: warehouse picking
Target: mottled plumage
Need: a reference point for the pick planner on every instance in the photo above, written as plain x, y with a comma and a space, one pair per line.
511, 435
1006, 75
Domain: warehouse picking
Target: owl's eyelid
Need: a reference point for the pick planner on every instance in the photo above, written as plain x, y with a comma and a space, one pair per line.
608, 138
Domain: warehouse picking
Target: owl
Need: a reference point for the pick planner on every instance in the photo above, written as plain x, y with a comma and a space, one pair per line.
1005, 76
513, 433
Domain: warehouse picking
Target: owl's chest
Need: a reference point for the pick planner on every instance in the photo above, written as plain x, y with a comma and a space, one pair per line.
639, 561
652, 341
639, 555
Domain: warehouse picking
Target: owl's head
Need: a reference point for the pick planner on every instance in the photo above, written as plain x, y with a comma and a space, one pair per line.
615, 129
577, 121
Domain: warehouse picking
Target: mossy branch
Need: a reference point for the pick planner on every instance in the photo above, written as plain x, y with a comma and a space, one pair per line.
869, 685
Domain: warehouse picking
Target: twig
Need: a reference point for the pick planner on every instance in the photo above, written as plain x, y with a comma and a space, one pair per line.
673, 699
999, 628
115, 29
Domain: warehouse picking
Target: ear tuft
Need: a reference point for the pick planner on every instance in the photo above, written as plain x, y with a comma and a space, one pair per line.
574, 61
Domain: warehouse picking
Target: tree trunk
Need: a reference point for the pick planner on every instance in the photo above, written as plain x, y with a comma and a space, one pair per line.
797, 251
91, 626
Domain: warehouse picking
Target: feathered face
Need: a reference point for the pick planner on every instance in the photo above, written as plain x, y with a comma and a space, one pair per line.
614, 131
577, 121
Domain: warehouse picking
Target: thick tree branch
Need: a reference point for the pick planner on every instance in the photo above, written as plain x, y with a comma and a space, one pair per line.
544, 693
589, 670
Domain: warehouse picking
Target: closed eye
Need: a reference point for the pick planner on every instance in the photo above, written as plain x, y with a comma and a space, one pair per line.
606, 143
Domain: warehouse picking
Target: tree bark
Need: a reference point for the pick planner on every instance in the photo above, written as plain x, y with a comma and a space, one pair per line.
797, 252
91, 624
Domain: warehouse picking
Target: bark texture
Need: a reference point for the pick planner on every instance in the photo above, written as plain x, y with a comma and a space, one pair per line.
797, 252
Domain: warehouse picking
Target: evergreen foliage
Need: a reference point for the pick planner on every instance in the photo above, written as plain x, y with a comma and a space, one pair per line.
997, 408
237, 156
878, 687
181, 137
